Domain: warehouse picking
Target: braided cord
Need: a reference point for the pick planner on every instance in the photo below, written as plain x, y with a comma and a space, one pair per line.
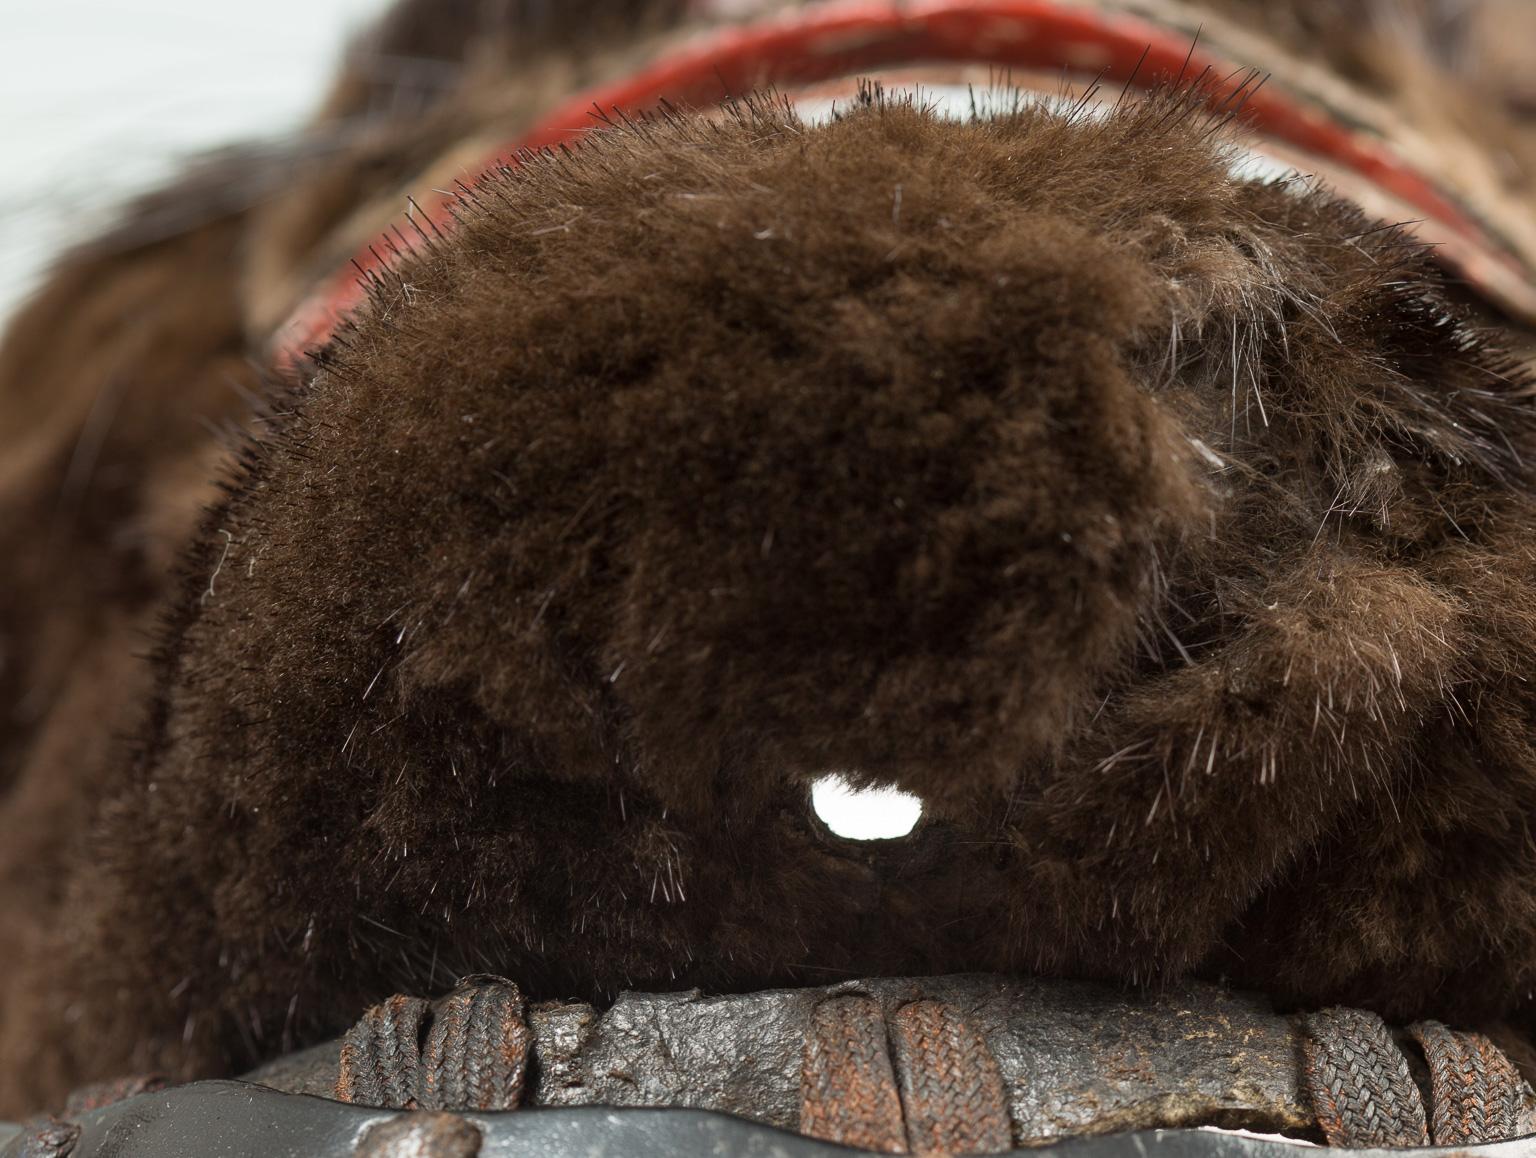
468, 1051
847, 1084
1479, 1096
476, 1056
1361, 1089
381, 1054
951, 1087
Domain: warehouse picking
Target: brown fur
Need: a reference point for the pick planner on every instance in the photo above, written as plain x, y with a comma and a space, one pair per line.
1171, 536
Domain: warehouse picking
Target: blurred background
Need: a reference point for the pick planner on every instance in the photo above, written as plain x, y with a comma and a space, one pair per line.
101, 99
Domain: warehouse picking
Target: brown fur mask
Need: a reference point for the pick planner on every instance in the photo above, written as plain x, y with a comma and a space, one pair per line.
1171, 535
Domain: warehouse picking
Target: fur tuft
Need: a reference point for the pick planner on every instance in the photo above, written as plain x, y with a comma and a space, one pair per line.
1171, 535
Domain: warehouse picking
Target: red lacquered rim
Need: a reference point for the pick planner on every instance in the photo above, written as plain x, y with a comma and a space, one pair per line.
807, 45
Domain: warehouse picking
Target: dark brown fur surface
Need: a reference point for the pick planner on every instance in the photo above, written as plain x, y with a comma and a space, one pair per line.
1171, 536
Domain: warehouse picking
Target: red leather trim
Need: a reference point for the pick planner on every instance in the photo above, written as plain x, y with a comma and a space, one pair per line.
839, 38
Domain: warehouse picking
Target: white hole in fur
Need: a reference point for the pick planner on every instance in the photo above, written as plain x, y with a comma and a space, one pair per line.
864, 813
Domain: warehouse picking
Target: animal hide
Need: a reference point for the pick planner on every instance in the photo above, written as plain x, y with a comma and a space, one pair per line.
1171, 534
